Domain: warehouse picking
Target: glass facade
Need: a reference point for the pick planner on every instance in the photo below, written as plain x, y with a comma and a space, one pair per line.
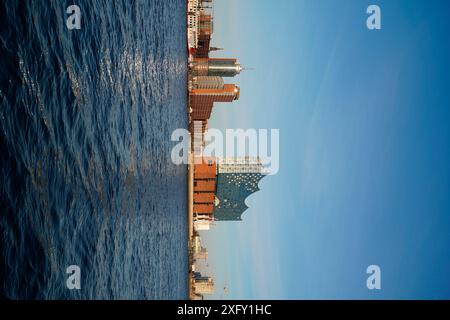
232, 190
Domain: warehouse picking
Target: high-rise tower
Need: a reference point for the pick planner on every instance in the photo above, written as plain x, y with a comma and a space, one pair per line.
222, 67
201, 101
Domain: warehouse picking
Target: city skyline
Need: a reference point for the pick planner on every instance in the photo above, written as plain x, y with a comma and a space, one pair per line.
217, 187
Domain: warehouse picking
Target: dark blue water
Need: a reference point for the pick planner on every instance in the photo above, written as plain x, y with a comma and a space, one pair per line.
86, 177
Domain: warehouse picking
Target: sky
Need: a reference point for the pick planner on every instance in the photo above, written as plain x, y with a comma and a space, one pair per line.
364, 179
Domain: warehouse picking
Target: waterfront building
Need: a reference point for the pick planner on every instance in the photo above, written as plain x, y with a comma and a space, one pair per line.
203, 284
205, 30
237, 178
204, 287
221, 186
222, 67
206, 24
193, 16
196, 244
205, 168
201, 255
203, 211
202, 224
201, 101
199, 26
204, 48
208, 82
197, 130
204, 185
204, 188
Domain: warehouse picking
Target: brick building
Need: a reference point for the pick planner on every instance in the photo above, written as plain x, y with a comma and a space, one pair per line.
201, 101
205, 30
205, 170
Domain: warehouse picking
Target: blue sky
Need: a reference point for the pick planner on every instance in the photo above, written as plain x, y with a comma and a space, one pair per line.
364, 178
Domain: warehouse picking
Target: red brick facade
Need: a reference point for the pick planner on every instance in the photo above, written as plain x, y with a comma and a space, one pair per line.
201, 101
204, 186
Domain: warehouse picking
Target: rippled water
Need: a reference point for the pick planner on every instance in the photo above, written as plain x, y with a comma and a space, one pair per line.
86, 178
